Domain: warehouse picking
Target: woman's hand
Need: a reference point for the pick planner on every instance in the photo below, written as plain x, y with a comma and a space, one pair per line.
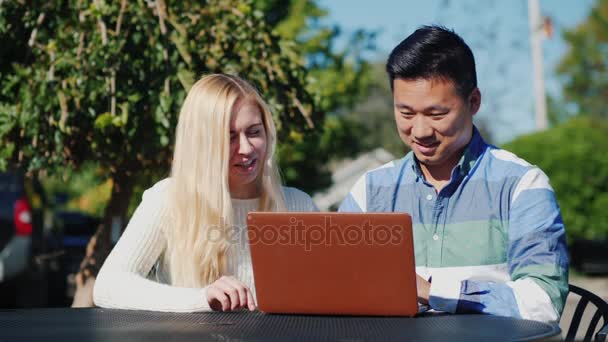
227, 293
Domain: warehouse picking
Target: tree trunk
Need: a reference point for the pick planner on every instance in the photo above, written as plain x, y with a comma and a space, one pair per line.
100, 244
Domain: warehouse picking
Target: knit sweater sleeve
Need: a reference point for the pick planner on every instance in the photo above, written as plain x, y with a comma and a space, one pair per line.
298, 200
122, 281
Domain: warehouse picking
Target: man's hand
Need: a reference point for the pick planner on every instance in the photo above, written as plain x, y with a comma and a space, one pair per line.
424, 288
227, 293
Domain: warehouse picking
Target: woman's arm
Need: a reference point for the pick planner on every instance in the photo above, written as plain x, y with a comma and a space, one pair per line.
122, 281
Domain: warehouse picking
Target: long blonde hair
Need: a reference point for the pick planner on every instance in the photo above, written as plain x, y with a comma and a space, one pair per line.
202, 213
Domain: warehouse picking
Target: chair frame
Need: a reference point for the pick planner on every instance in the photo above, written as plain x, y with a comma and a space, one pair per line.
600, 312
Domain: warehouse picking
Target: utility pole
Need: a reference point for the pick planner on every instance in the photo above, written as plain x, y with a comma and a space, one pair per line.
536, 37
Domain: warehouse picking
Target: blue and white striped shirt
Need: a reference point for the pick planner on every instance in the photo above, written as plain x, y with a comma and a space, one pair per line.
492, 240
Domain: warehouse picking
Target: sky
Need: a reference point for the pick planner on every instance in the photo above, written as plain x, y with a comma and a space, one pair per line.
496, 30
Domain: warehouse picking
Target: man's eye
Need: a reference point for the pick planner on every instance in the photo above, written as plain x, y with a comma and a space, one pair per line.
407, 113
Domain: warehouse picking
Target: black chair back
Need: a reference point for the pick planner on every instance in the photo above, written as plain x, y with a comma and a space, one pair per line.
601, 311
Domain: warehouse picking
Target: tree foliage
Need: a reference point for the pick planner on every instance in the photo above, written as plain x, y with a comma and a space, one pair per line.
337, 76
585, 65
571, 155
337, 79
374, 115
104, 81
149, 64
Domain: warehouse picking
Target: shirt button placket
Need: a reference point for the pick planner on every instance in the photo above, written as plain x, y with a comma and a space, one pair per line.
435, 248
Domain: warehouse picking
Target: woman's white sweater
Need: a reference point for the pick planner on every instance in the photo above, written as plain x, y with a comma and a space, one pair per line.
135, 275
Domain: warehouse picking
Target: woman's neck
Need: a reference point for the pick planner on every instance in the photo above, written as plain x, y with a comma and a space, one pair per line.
249, 191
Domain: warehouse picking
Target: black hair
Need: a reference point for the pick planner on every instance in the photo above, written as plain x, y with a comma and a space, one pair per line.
434, 52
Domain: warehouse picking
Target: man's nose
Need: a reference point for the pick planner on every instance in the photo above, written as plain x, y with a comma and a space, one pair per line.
421, 127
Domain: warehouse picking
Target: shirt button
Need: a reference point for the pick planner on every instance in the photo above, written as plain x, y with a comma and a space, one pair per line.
435, 237
429, 197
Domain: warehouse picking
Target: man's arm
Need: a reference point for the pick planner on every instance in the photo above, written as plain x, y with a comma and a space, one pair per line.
537, 261
356, 200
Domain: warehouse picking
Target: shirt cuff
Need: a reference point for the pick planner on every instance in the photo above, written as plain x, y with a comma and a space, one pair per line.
444, 293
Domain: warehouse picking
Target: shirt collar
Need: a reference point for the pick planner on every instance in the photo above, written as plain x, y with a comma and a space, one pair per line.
472, 153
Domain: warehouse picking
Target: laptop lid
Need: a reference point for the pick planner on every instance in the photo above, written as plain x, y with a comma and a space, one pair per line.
333, 263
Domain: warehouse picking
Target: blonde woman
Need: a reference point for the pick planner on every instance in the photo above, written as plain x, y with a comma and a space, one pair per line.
185, 248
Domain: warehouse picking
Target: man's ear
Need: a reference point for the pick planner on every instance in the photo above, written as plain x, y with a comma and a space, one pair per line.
474, 101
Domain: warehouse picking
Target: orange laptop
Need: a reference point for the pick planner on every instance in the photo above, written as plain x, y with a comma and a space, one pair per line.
333, 263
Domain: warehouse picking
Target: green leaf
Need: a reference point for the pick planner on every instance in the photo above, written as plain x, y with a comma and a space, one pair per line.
103, 120
164, 140
186, 78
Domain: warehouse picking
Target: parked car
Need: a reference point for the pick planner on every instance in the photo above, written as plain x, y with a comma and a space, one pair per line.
37, 259
20, 231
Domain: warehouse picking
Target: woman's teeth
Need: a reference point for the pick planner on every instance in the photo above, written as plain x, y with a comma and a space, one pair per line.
246, 164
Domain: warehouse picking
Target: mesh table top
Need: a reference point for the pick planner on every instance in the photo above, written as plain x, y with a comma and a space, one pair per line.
64, 324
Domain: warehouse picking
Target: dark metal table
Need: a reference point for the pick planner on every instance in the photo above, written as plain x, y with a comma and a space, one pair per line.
121, 325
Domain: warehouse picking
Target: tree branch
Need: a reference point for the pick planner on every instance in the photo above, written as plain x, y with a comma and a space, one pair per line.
50, 76
102, 26
103, 31
39, 21
63, 104
161, 9
113, 92
80, 45
123, 6
81, 18
304, 112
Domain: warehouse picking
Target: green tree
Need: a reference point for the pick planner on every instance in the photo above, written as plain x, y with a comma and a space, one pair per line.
570, 154
585, 66
337, 78
103, 81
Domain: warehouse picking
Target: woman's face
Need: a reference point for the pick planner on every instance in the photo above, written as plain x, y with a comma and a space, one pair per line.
247, 149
